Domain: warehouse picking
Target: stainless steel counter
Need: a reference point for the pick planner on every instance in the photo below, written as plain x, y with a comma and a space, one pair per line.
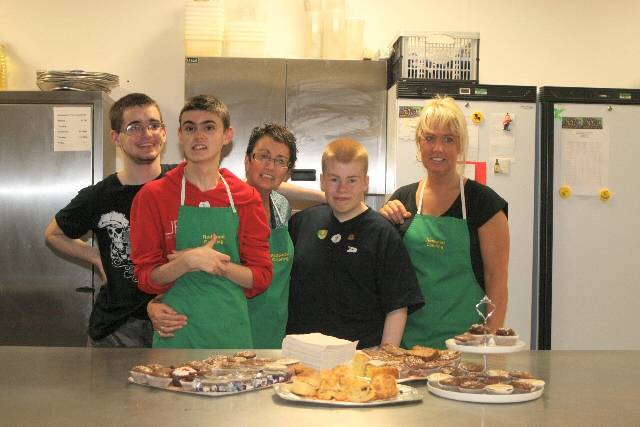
83, 386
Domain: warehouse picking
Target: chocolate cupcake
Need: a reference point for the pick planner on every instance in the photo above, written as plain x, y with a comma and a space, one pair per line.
183, 372
139, 373
450, 384
472, 369
160, 377
505, 336
522, 387
518, 375
472, 386
499, 388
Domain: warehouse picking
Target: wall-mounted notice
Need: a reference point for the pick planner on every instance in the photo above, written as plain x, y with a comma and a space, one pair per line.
585, 155
72, 129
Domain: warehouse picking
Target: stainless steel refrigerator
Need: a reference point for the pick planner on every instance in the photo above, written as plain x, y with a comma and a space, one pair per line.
52, 144
590, 201
514, 178
319, 100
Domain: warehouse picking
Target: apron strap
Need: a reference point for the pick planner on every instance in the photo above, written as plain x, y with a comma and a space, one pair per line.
226, 186
233, 205
275, 208
462, 198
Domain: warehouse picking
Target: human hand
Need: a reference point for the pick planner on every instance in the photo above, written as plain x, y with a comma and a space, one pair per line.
395, 211
207, 259
165, 319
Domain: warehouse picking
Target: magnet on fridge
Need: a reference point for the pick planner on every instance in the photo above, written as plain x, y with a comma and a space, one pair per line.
605, 194
565, 191
506, 122
477, 117
502, 166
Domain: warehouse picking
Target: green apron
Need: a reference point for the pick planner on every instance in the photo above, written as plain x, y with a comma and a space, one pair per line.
439, 250
215, 306
268, 311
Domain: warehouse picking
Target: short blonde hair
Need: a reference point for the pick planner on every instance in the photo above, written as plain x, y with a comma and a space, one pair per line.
442, 112
345, 150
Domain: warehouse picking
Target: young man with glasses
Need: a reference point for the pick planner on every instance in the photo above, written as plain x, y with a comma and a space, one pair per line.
119, 317
200, 236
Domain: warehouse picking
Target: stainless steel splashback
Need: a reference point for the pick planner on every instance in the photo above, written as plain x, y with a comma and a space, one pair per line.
318, 100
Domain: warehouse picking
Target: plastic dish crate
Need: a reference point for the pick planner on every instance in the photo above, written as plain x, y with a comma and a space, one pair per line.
435, 56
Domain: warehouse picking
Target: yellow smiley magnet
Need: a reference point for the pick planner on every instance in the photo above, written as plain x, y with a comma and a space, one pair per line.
605, 194
477, 117
565, 191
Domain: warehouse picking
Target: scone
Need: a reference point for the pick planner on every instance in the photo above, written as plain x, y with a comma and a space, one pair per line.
302, 388
384, 386
330, 388
359, 391
371, 370
306, 384
359, 361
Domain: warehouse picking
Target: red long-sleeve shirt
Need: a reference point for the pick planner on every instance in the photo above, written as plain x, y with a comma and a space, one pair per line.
154, 218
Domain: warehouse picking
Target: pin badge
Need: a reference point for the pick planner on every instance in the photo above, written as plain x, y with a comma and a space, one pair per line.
336, 238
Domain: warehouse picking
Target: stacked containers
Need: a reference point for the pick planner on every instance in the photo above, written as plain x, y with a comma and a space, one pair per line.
3, 68
313, 29
244, 34
203, 27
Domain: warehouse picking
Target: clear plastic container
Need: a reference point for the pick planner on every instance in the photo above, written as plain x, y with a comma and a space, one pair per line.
3, 68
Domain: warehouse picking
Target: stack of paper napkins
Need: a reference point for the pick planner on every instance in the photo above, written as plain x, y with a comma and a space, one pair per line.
318, 351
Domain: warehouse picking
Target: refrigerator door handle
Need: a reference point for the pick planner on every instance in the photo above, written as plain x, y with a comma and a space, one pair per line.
85, 289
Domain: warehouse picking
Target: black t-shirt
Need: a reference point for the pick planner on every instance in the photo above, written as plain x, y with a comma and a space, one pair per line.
104, 208
347, 276
482, 204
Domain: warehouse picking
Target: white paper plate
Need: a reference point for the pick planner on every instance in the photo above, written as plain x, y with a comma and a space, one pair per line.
485, 398
486, 349
405, 394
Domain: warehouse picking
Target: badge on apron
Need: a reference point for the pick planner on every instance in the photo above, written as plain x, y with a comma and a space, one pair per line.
322, 234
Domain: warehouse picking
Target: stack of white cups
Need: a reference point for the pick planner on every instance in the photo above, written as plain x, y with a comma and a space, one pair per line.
203, 27
244, 32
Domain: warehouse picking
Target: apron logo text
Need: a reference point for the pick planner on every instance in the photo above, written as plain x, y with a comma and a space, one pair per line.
280, 257
436, 244
207, 237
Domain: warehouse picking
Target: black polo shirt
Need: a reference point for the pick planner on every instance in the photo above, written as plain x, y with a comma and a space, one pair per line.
347, 276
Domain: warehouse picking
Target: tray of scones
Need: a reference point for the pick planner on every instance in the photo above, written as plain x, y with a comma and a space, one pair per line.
341, 387
217, 375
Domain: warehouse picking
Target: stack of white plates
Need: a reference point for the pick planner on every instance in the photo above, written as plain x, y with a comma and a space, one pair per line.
203, 27
76, 80
319, 351
244, 39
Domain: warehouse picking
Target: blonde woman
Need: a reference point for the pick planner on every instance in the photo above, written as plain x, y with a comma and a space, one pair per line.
455, 230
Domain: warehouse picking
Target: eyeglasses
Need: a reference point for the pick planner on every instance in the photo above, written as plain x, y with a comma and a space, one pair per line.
139, 128
265, 158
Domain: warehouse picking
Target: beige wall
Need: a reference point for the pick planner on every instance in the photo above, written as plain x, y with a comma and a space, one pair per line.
541, 42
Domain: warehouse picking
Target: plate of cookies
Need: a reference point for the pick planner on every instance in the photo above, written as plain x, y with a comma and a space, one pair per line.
217, 375
492, 386
340, 387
